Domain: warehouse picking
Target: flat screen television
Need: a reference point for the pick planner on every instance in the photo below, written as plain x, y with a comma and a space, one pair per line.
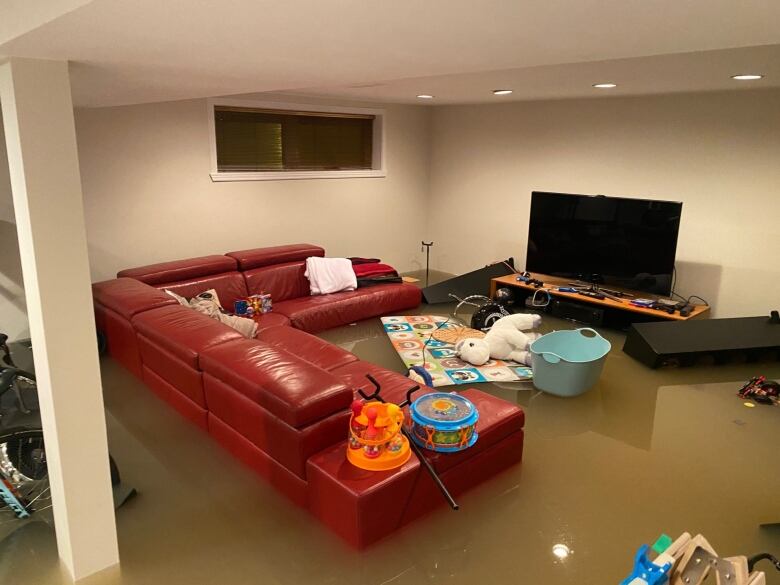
618, 241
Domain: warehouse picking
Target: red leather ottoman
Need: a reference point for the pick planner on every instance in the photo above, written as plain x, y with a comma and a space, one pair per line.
363, 506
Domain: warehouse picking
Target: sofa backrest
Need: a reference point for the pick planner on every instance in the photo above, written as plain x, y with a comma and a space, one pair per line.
180, 270
192, 276
278, 270
230, 287
257, 257
282, 281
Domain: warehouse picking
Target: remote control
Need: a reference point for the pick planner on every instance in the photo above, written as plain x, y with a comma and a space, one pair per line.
593, 295
647, 303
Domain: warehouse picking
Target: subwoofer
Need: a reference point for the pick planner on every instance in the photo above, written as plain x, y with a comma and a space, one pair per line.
686, 342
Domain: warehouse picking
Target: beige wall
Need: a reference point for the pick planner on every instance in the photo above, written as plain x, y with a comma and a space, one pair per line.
460, 175
719, 153
148, 196
13, 313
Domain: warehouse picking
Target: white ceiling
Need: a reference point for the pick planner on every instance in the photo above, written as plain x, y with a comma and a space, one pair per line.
680, 72
154, 50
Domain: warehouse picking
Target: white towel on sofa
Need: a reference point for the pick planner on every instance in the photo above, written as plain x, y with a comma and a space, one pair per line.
329, 275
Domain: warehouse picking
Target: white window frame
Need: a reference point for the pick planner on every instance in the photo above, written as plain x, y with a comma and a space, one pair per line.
378, 164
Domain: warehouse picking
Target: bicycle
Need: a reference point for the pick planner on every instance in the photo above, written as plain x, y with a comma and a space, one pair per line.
13, 377
24, 476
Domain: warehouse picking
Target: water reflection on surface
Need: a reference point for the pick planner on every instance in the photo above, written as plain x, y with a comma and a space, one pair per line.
644, 452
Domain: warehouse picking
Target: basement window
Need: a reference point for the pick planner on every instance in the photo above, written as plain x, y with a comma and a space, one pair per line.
287, 141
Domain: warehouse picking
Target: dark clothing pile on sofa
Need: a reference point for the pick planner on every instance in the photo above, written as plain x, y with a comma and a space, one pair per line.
371, 272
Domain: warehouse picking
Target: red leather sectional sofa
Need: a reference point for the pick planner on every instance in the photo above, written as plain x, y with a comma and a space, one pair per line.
280, 402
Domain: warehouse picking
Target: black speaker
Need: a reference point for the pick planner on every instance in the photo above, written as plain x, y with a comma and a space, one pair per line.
582, 312
685, 342
476, 282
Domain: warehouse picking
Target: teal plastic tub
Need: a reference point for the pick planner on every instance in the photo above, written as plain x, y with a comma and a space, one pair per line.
568, 363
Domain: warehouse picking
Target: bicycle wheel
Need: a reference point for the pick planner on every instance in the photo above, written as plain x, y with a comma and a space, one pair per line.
23, 466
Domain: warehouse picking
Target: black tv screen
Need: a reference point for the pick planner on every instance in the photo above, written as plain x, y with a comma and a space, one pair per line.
629, 243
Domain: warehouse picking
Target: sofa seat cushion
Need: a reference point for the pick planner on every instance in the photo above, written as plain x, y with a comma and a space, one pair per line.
267, 320
317, 313
257, 257
181, 376
308, 347
127, 296
230, 287
282, 281
296, 391
180, 269
183, 332
288, 445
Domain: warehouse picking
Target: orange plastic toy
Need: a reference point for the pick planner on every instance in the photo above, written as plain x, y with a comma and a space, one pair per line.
375, 439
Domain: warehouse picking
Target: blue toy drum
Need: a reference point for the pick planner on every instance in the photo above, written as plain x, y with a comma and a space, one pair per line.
443, 422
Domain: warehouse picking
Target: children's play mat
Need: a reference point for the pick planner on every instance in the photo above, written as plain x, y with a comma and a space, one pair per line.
412, 338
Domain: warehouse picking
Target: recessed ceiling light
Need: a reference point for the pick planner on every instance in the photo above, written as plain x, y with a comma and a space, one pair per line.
425, 96
746, 77
604, 85
561, 551
502, 91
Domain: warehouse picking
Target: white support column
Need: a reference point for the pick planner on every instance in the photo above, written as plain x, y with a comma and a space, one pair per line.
40, 133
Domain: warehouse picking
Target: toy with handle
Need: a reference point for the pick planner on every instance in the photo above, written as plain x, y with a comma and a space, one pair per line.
647, 572
690, 561
568, 362
428, 467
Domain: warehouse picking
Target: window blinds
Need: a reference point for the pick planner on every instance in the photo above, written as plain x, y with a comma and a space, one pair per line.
252, 140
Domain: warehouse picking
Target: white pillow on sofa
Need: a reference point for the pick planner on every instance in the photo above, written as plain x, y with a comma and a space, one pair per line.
330, 275
207, 303
182, 301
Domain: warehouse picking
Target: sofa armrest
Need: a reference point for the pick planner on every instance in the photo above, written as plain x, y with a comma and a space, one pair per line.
128, 296
297, 392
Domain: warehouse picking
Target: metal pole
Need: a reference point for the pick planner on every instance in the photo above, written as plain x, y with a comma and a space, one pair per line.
423, 460
427, 247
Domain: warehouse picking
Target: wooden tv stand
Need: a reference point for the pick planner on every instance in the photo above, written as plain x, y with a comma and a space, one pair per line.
620, 313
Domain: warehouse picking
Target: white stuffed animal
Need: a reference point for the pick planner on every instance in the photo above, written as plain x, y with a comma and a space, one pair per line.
504, 341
